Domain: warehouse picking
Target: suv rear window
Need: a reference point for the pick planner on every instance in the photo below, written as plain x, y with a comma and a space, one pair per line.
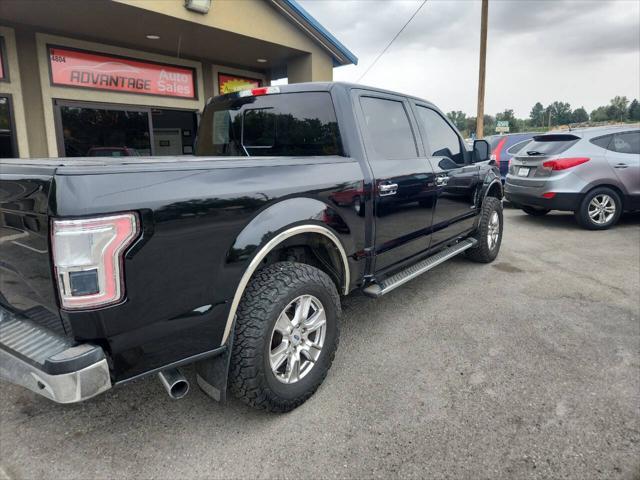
549, 144
288, 124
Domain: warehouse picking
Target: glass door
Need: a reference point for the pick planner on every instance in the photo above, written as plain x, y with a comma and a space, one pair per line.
8, 145
96, 130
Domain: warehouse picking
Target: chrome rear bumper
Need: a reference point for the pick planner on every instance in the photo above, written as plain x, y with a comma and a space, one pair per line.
48, 364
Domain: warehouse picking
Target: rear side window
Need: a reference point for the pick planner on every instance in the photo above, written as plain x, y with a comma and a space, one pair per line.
627, 142
443, 140
389, 129
288, 124
518, 146
549, 144
602, 142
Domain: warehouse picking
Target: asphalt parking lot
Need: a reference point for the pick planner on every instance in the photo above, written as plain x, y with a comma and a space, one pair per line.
525, 368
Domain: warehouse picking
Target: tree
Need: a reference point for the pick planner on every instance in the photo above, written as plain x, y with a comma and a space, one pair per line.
617, 109
634, 111
459, 119
579, 115
558, 113
537, 115
599, 115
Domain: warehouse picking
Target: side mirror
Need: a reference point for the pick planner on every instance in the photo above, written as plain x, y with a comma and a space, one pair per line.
481, 151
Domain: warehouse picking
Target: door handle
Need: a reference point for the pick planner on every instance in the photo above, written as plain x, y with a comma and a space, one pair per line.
442, 180
620, 165
387, 189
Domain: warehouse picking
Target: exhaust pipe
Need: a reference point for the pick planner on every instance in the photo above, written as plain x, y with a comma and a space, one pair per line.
174, 382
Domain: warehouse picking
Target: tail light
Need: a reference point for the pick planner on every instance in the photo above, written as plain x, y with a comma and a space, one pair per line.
495, 155
564, 163
257, 92
87, 258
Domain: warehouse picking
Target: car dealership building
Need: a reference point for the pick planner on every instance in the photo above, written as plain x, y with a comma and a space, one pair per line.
130, 77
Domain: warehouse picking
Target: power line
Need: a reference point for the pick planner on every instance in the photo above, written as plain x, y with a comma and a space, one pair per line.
392, 40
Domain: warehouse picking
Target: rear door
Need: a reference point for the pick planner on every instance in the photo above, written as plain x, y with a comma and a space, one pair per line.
623, 155
456, 179
404, 180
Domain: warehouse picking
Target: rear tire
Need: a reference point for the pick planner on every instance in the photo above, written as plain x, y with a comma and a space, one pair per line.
488, 235
535, 212
600, 209
267, 334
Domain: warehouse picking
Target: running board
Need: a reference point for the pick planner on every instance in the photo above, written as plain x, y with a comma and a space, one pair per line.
378, 289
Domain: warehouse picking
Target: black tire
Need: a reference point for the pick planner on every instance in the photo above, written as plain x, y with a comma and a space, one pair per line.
270, 291
483, 252
535, 212
582, 215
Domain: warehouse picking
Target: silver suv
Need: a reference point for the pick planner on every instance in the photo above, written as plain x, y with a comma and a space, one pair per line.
593, 172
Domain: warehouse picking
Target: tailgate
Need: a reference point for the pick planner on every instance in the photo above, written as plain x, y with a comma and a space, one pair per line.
26, 284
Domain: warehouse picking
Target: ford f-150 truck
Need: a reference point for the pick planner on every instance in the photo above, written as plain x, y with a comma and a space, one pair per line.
234, 259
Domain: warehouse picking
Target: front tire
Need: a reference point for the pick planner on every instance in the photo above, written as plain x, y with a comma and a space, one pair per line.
286, 336
489, 234
600, 209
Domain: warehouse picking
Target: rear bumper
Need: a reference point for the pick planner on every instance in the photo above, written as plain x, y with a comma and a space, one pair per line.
562, 201
532, 195
49, 364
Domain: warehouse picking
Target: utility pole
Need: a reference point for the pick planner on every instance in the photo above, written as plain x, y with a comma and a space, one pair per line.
483, 62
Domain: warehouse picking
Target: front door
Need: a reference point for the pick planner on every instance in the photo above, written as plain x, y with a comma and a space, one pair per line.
456, 179
623, 155
403, 195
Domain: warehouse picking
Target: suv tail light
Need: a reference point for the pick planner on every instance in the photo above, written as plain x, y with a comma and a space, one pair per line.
87, 258
564, 163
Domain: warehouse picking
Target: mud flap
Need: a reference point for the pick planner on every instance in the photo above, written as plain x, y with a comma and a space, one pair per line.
212, 373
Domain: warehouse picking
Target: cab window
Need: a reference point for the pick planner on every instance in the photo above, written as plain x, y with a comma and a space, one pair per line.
389, 129
443, 141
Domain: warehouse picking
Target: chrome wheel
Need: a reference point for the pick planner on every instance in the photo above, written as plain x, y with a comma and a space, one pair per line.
601, 209
493, 230
297, 339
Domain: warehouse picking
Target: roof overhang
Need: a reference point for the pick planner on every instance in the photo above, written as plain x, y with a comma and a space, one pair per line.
294, 12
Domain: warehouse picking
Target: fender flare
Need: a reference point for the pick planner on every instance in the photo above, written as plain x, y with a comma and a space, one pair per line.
266, 249
490, 185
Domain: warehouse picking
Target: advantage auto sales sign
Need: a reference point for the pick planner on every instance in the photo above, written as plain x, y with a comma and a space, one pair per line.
78, 68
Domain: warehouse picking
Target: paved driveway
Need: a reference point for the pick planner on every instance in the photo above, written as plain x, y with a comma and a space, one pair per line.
526, 368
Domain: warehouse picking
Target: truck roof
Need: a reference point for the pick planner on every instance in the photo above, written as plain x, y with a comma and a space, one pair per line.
327, 86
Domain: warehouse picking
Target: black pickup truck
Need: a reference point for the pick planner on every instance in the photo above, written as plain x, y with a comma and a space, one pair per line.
234, 259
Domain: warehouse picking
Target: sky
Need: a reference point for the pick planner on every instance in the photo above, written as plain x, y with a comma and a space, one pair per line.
582, 52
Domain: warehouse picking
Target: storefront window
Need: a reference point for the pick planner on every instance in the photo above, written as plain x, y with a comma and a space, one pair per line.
97, 132
94, 130
8, 147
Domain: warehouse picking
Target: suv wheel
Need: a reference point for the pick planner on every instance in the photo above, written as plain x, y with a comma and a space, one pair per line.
489, 234
600, 209
535, 212
286, 336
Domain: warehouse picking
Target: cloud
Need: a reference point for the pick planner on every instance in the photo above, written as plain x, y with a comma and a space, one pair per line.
583, 52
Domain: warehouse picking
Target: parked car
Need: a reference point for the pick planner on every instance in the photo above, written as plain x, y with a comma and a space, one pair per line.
112, 152
593, 172
504, 147
234, 259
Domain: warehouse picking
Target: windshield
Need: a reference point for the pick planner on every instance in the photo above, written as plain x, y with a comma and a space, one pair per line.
293, 124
